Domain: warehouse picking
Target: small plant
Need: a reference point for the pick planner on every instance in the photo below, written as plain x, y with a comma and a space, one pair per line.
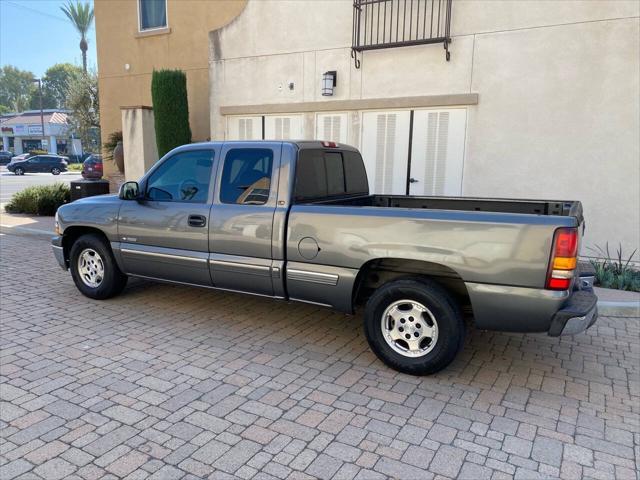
39, 199
110, 144
170, 109
75, 167
615, 272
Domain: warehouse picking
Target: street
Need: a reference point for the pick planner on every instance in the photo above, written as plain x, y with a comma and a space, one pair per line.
10, 183
176, 382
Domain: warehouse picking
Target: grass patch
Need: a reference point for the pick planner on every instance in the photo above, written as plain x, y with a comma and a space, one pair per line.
39, 199
615, 271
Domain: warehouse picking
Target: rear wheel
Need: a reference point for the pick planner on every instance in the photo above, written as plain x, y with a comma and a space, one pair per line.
19, 171
414, 325
93, 268
55, 171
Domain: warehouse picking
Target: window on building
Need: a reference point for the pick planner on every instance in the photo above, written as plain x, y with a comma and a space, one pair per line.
184, 177
153, 14
246, 177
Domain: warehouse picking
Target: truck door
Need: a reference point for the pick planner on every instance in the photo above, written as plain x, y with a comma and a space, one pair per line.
241, 221
166, 234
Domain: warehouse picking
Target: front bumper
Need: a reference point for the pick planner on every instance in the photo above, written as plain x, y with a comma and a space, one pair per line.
58, 251
580, 312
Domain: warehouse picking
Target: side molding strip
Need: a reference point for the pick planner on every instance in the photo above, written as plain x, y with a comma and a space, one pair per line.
312, 277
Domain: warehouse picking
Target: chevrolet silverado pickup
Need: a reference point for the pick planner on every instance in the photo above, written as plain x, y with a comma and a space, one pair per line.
296, 221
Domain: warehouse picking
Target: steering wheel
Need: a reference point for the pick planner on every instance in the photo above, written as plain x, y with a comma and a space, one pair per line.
188, 189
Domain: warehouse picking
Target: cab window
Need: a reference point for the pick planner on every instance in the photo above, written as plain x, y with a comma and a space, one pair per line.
184, 177
246, 176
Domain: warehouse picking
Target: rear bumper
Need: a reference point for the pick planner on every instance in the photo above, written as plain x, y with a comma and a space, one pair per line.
580, 312
58, 251
518, 309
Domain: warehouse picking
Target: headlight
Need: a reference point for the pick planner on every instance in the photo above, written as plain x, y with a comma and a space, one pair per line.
56, 225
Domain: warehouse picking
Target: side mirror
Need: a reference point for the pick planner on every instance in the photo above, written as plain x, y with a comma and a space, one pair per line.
129, 191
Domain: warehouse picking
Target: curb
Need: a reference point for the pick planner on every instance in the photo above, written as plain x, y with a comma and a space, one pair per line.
605, 308
618, 309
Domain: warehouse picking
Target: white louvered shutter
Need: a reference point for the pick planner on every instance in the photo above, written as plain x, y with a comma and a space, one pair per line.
244, 128
385, 144
437, 154
283, 127
332, 127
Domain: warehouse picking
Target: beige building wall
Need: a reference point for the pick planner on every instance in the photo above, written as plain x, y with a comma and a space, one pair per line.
558, 83
182, 45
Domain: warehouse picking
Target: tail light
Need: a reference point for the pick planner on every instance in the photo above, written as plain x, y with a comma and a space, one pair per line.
564, 259
330, 144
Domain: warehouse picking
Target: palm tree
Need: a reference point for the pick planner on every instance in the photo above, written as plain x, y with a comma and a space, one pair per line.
81, 16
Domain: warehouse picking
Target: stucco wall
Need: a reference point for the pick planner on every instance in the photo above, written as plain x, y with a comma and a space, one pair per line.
184, 46
558, 85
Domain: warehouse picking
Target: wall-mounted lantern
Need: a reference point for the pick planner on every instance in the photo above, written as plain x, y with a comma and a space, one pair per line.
328, 83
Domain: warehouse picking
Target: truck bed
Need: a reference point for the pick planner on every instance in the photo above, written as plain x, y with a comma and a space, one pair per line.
534, 207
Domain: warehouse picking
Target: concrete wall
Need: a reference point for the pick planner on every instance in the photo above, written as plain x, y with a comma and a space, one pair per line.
138, 141
182, 45
558, 84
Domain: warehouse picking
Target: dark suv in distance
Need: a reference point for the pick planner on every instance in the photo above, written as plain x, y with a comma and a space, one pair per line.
5, 157
92, 167
38, 164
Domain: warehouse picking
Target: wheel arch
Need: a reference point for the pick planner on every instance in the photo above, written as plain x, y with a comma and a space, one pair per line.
379, 271
72, 233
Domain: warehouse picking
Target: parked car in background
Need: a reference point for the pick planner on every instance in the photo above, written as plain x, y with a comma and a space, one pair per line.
39, 164
92, 167
5, 157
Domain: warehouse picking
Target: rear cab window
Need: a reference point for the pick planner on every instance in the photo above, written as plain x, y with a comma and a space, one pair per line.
325, 174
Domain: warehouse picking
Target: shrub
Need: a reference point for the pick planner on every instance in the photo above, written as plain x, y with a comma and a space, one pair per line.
111, 143
74, 167
170, 109
39, 199
615, 272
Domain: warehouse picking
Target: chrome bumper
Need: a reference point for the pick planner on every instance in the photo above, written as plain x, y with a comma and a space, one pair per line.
58, 251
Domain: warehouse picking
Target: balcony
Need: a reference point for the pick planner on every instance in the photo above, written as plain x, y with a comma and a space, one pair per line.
381, 24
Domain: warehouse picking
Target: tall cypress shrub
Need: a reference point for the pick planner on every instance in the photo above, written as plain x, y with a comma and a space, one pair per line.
170, 109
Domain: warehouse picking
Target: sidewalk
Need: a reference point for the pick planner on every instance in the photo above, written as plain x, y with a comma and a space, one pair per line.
34, 225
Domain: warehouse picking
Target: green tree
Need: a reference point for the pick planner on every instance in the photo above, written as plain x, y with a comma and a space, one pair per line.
55, 85
170, 109
81, 16
16, 87
82, 100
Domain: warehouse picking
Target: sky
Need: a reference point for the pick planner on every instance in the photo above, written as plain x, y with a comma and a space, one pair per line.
36, 34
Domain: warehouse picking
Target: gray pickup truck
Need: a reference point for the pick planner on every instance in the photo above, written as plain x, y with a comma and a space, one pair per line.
296, 221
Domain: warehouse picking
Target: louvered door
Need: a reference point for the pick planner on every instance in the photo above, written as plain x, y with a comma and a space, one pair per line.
244, 128
385, 147
437, 152
331, 127
283, 127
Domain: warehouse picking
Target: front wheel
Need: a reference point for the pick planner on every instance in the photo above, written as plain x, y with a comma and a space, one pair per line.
55, 171
19, 171
93, 268
414, 325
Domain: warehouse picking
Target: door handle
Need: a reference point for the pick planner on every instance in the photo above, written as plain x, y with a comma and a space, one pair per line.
413, 180
197, 221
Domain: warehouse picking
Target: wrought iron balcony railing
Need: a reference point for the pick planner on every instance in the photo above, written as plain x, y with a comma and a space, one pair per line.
399, 23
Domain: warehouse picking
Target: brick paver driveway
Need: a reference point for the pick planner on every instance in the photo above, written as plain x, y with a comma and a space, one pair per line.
168, 382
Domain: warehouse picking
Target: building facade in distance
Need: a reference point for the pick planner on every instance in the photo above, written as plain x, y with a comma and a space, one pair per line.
22, 133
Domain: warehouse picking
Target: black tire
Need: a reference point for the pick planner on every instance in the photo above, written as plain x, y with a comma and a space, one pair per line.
55, 171
19, 171
439, 302
113, 280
